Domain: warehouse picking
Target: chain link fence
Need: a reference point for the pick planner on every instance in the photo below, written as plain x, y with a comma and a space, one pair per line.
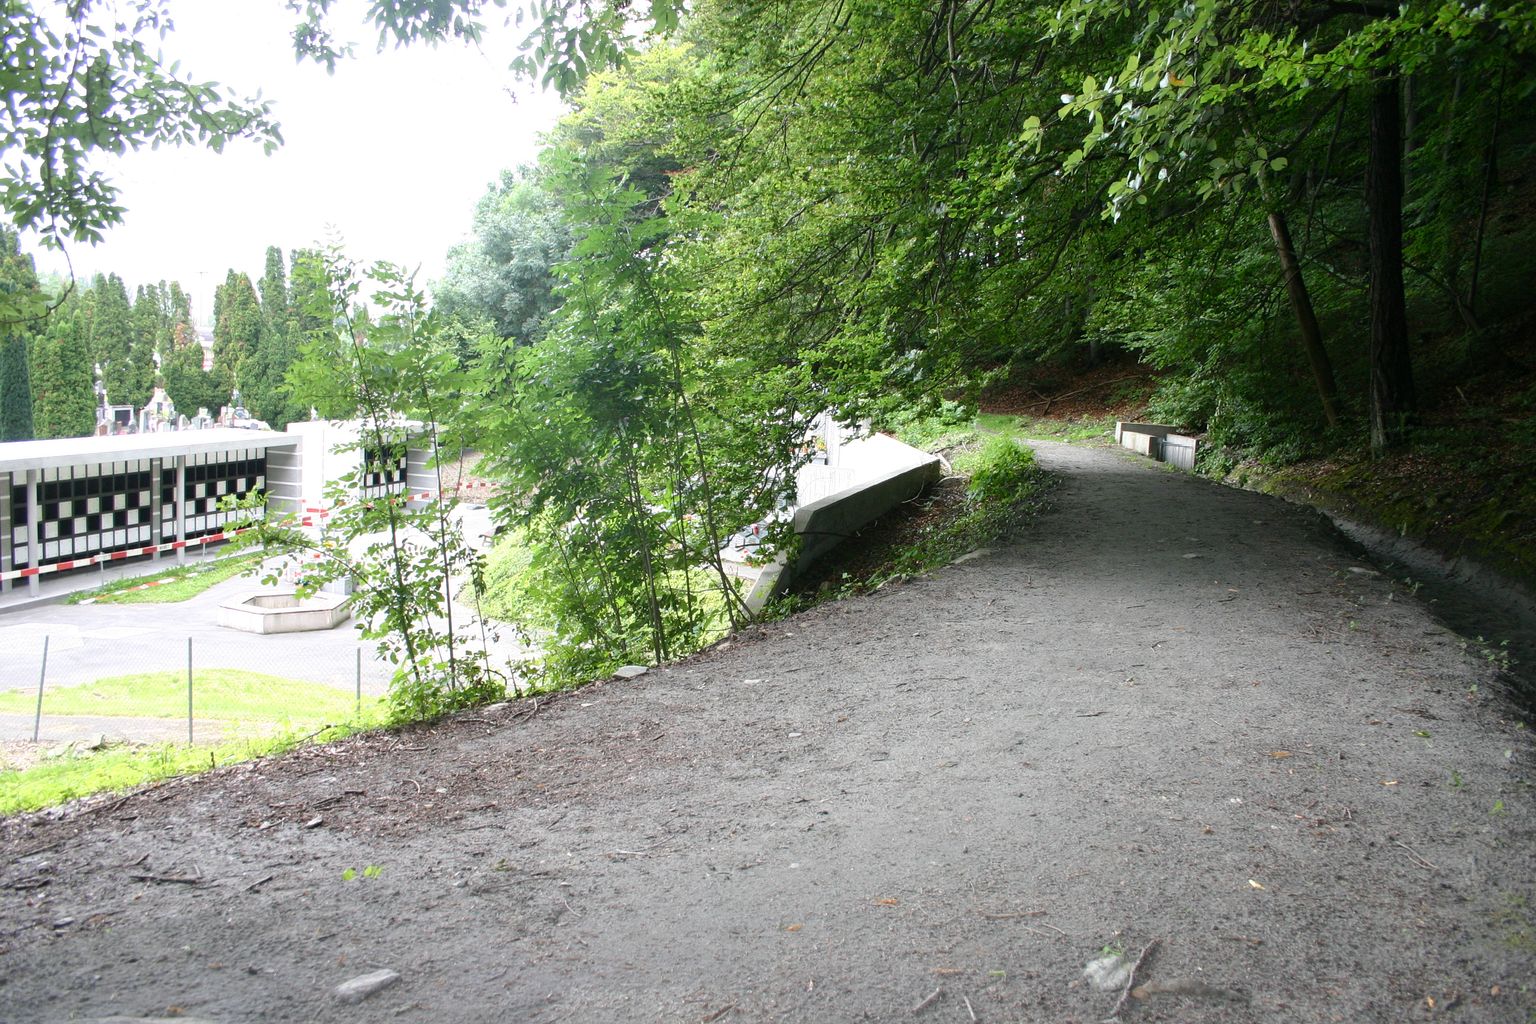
76, 684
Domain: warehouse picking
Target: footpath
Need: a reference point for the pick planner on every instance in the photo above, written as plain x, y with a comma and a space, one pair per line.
1174, 754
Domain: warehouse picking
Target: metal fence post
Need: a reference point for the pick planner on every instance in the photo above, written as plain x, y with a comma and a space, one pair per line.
37, 721
359, 709
189, 691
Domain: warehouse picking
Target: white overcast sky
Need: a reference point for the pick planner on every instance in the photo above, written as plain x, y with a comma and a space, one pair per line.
389, 154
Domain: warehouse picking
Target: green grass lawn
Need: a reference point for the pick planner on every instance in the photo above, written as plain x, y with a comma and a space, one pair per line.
291, 711
217, 693
178, 584
115, 769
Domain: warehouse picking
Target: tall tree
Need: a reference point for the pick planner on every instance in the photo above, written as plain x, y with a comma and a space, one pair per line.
188, 385
236, 326
109, 326
264, 389
63, 385
17, 278
505, 274
149, 322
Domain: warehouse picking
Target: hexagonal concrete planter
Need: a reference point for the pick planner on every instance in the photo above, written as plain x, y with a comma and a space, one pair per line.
285, 613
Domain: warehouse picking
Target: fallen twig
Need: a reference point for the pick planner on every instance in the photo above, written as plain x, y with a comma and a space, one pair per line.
37, 850
109, 808
1420, 861
1042, 924
259, 881
183, 879
968, 1008
1130, 981
1009, 916
932, 998
718, 1014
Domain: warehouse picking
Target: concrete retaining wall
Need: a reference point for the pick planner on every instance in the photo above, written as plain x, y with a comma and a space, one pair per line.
1157, 441
824, 524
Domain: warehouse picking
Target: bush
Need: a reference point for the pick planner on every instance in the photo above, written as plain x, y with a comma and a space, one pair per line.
1004, 473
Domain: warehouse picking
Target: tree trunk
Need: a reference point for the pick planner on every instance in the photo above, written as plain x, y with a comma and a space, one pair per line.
1490, 178
1392, 399
1306, 319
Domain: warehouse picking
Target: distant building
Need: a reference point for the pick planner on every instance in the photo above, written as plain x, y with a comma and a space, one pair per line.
66, 504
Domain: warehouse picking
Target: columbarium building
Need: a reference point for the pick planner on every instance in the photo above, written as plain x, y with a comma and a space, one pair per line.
71, 503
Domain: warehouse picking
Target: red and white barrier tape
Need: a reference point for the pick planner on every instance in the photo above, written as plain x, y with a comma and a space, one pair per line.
115, 556
313, 513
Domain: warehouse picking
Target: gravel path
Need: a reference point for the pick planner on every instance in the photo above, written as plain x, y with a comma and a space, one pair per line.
1170, 715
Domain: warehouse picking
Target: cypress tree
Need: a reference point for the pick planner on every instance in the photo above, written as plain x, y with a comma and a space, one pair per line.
236, 326
63, 392
17, 278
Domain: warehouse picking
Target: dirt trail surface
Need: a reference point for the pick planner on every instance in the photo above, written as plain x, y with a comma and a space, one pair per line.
1170, 715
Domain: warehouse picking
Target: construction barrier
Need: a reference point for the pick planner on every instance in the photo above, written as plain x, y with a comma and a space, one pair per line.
117, 556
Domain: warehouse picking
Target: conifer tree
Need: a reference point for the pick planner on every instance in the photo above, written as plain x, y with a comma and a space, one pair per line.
109, 337
147, 319
236, 327
265, 392
17, 278
63, 393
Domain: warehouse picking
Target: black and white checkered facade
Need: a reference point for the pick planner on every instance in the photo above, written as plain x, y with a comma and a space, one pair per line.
112, 506
67, 504
209, 480
383, 472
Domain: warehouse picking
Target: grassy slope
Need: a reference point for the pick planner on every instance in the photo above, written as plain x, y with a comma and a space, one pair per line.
288, 707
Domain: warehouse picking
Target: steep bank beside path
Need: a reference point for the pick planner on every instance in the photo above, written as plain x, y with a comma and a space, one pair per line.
1169, 711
